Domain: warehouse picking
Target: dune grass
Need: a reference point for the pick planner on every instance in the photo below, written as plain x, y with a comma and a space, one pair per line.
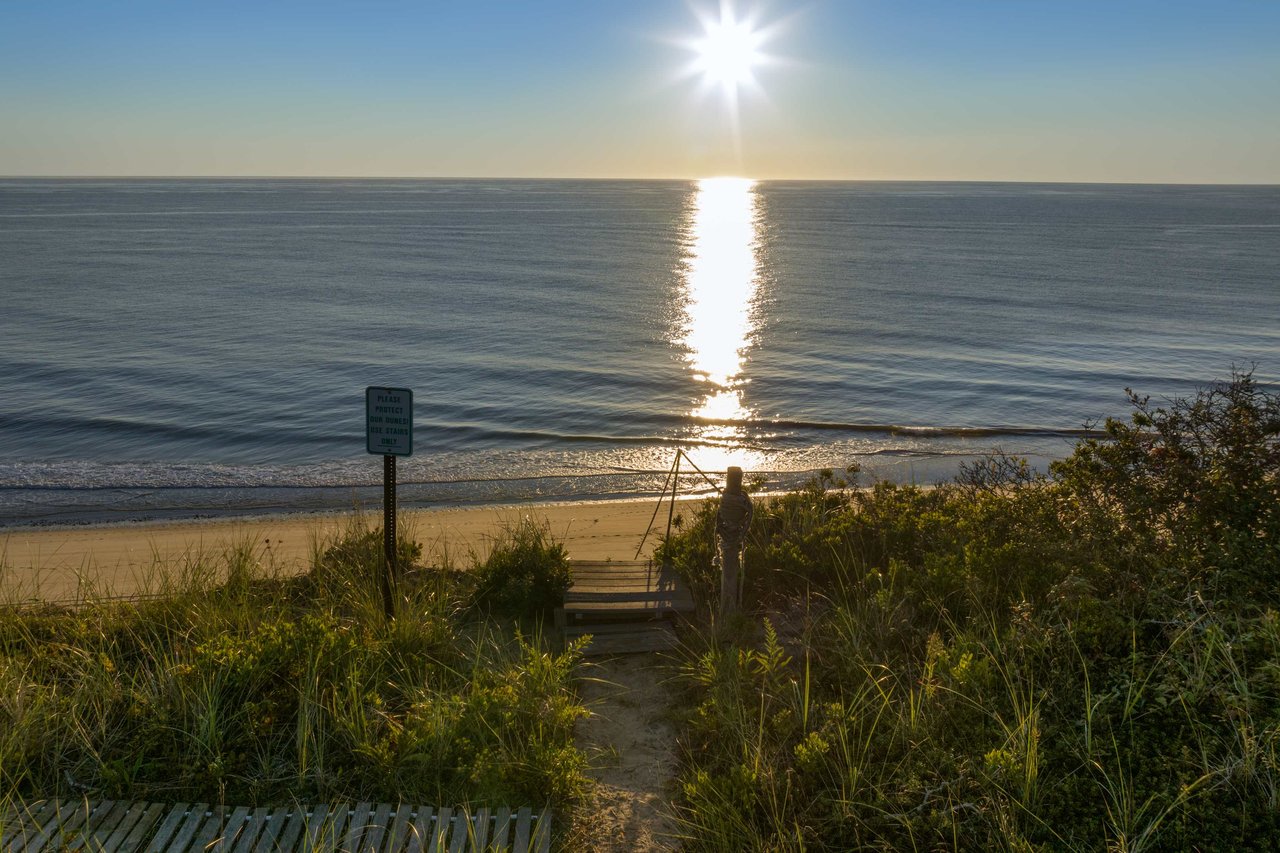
1085, 660
232, 684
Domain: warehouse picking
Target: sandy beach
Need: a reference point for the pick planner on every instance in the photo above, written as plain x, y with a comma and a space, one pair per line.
64, 563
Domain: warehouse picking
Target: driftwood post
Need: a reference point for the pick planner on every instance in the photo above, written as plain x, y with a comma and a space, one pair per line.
731, 528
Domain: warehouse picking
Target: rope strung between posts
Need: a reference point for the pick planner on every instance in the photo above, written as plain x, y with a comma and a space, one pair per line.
673, 473
699, 470
654, 517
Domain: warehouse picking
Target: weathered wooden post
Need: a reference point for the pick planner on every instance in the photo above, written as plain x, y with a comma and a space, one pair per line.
731, 529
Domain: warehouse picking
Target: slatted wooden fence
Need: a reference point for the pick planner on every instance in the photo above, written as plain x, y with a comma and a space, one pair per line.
107, 826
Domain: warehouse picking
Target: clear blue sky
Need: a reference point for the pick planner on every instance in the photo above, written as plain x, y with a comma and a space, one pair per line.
1017, 90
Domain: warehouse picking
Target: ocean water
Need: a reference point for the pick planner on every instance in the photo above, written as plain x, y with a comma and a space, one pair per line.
183, 348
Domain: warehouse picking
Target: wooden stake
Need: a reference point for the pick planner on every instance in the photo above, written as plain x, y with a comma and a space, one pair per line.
731, 525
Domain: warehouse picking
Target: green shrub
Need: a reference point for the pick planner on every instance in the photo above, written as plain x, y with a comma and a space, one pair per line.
526, 572
691, 552
1087, 659
1196, 484
364, 547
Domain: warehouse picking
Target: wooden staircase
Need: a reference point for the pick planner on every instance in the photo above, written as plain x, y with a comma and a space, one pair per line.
626, 606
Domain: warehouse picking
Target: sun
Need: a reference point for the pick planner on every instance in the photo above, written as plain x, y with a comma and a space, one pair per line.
728, 51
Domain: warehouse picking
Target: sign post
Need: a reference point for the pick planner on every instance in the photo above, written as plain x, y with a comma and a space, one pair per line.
388, 416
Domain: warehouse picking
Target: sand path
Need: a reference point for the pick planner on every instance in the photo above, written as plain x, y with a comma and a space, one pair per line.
632, 748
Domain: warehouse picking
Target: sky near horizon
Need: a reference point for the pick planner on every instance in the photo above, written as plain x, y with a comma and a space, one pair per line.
1005, 90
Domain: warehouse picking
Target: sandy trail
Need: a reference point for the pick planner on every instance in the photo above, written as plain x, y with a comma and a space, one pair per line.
632, 746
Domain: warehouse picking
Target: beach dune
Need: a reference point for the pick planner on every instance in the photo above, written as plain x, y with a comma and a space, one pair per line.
63, 564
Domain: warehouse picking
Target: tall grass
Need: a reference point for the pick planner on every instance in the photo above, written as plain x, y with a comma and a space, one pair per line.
230, 683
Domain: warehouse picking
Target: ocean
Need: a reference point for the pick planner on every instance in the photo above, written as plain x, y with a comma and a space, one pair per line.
192, 348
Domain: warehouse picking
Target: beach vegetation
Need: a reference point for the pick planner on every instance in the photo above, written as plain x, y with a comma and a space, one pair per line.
525, 574
1087, 658
234, 684
1082, 658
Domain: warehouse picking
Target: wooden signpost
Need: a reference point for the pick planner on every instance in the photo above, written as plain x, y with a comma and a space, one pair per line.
389, 433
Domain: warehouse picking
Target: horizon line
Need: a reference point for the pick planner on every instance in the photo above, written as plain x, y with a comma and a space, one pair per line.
139, 177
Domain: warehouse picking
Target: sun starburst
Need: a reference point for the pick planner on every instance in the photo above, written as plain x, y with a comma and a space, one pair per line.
729, 51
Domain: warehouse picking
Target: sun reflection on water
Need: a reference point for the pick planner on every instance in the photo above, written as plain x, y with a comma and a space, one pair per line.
721, 280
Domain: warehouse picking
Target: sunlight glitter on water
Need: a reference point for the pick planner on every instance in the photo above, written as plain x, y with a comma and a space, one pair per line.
718, 326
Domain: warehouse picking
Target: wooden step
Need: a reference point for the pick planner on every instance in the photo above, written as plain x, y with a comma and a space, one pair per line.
637, 591
624, 639
642, 606
608, 581
574, 597
600, 629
